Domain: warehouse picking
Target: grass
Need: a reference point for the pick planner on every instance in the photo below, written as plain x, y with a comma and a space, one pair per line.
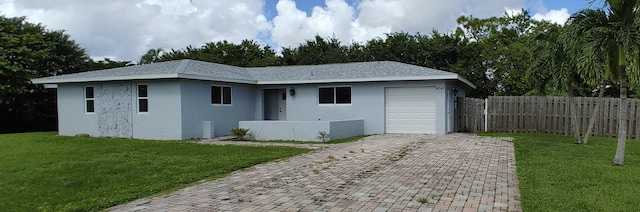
337, 141
45, 172
557, 175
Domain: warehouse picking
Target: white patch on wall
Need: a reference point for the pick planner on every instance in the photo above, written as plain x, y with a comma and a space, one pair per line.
114, 109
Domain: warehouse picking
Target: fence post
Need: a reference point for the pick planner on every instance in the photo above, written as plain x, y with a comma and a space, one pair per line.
486, 114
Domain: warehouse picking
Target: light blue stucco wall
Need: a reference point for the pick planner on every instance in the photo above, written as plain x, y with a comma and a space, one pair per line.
286, 130
177, 109
367, 103
302, 130
345, 129
163, 121
116, 107
72, 118
197, 108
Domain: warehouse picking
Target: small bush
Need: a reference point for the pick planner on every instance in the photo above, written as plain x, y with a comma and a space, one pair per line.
240, 133
324, 136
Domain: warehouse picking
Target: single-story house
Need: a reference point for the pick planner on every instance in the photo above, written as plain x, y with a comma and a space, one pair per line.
187, 99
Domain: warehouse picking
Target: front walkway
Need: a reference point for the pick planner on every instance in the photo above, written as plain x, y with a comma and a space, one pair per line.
456, 172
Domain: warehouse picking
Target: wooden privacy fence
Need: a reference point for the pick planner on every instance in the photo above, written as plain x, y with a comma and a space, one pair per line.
533, 114
470, 115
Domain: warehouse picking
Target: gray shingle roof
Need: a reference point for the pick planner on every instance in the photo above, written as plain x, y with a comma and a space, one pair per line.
191, 69
154, 68
358, 70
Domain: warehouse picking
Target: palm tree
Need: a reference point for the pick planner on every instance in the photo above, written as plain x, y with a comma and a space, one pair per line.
612, 31
152, 56
553, 65
595, 74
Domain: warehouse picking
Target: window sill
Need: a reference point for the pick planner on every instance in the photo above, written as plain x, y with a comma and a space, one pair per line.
334, 104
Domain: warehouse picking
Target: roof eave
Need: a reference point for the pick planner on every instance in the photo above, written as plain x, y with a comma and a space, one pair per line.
245, 81
462, 79
50, 86
375, 79
207, 78
102, 79
138, 77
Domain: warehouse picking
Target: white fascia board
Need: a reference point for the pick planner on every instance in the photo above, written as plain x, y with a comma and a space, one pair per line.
50, 85
466, 82
376, 79
138, 77
102, 78
207, 78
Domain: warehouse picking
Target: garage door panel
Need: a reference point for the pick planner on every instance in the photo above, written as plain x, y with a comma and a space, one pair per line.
410, 110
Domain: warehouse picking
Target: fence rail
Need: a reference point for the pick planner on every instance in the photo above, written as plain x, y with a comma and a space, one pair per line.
533, 114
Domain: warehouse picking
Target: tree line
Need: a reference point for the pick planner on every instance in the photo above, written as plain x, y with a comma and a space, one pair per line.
28, 51
595, 53
493, 53
506, 55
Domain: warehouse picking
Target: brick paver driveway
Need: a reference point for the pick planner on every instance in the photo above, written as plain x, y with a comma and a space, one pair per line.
456, 172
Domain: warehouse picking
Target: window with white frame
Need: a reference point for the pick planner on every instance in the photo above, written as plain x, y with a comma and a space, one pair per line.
143, 98
334, 95
220, 95
89, 99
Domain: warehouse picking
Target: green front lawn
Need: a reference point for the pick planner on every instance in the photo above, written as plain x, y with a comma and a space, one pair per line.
45, 172
557, 175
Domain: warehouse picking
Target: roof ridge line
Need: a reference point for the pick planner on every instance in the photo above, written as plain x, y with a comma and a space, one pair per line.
182, 66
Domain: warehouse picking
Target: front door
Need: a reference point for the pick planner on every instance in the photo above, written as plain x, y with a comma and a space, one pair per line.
282, 105
275, 104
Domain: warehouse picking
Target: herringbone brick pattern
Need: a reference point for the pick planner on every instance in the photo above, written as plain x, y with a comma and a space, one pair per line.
455, 172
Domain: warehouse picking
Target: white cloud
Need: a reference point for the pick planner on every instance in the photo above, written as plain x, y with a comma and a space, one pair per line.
293, 26
373, 18
128, 28
555, 16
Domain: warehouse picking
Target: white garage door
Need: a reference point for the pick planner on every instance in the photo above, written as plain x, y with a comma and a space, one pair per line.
410, 110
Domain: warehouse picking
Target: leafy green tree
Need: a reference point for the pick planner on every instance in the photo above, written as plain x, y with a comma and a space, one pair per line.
612, 31
464, 59
246, 54
376, 50
356, 52
505, 52
316, 51
402, 47
29, 51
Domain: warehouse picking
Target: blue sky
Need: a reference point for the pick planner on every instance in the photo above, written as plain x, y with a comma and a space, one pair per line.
126, 29
571, 5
